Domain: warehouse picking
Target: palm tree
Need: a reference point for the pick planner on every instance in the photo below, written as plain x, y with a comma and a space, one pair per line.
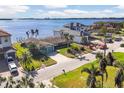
27, 33
102, 66
111, 59
93, 72
36, 32
119, 78
32, 32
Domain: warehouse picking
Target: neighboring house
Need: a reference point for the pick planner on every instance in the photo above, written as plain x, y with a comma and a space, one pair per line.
44, 47
58, 42
6, 48
47, 45
77, 30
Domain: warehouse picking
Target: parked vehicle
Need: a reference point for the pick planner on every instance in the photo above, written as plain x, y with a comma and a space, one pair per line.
10, 59
118, 39
12, 66
108, 40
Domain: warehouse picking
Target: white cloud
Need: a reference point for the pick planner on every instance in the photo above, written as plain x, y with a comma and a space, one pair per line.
72, 11
120, 7
107, 11
55, 6
11, 11
75, 13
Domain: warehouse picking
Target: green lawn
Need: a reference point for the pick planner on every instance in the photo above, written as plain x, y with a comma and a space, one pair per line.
64, 52
119, 56
74, 79
38, 63
35, 63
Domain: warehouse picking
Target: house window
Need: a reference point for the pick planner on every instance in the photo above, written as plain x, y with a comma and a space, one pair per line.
6, 39
0, 40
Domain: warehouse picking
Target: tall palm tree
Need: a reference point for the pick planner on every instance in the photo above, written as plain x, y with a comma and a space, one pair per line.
110, 58
32, 32
119, 78
102, 66
36, 32
93, 72
27, 33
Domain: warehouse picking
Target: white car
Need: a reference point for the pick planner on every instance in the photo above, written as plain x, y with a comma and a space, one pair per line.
12, 67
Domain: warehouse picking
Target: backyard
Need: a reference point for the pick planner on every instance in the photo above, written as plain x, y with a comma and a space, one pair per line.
74, 79
36, 63
74, 47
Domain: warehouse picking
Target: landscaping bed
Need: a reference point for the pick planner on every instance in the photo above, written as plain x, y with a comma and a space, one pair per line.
74, 79
35, 63
73, 49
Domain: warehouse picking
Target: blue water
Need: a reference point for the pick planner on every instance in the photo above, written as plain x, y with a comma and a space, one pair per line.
18, 27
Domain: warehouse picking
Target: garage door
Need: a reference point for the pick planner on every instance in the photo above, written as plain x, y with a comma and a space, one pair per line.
1, 56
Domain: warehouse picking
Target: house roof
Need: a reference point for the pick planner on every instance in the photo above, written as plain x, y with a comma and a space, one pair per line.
4, 33
67, 30
74, 24
36, 42
55, 40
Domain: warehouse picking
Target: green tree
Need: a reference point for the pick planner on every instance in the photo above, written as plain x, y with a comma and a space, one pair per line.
119, 78
93, 72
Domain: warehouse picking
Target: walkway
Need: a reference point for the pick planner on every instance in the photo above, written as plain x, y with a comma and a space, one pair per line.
60, 58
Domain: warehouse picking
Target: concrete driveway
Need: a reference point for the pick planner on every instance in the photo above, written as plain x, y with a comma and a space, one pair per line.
59, 57
3, 66
4, 70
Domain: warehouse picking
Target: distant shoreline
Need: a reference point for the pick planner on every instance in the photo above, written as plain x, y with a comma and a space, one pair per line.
54, 18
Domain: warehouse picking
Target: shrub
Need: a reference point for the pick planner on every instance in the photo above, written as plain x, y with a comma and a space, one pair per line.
122, 45
99, 55
82, 48
35, 52
118, 32
69, 50
75, 47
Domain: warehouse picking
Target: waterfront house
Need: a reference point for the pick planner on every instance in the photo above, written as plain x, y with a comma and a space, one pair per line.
6, 48
47, 45
57, 41
76, 30
44, 47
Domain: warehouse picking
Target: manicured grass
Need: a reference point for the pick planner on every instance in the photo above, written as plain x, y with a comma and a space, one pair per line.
63, 51
119, 56
38, 63
74, 79
35, 63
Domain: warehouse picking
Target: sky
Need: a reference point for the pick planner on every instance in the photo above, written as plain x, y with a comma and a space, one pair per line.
61, 11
